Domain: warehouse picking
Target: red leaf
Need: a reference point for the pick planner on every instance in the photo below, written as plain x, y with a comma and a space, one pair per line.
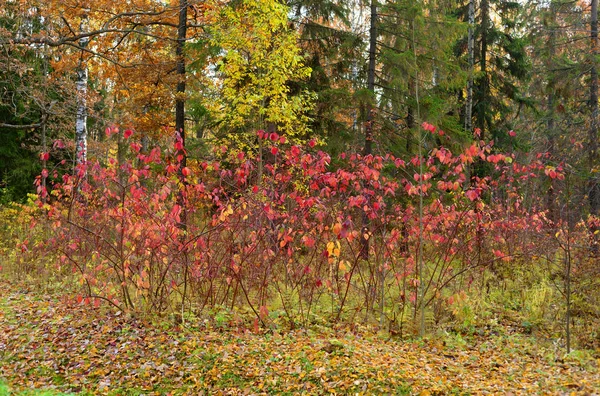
473, 194
136, 147
127, 134
295, 151
428, 127
264, 312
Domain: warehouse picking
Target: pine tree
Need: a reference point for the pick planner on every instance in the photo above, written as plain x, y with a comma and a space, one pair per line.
501, 65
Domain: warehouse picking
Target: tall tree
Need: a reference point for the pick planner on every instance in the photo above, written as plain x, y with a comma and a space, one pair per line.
81, 130
180, 61
471, 63
334, 51
416, 44
368, 148
32, 105
483, 80
503, 65
594, 188
122, 48
370, 114
259, 66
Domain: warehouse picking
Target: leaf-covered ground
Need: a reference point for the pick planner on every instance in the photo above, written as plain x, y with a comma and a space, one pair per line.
45, 344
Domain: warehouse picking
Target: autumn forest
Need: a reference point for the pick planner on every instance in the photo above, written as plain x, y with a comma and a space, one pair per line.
299, 197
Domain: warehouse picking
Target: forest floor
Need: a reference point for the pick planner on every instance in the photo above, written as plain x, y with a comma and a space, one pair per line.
46, 344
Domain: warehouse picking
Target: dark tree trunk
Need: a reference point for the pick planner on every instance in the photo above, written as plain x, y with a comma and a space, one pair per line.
471, 56
180, 130
410, 118
551, 196
180, 103
368, 149
594, 183
483, 84
371, 78
594, 189
180, 92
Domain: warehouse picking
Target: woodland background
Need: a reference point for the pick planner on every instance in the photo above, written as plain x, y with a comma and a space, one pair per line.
409, 166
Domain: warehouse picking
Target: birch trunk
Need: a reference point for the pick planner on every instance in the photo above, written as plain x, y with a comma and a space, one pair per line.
81, 87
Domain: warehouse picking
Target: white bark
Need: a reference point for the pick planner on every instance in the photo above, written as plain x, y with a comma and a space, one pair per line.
81, 121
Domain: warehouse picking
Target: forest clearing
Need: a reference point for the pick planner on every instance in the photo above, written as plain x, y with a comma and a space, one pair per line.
47, 344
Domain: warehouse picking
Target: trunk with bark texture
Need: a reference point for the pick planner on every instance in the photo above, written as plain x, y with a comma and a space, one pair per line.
81, 86
594, 188
483, 86
551, 196
471, 56
368, 149
180, 133
594, 183
371, 78
180, 92
180, 102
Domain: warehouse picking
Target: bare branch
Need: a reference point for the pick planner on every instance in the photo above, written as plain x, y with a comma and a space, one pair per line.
14, 126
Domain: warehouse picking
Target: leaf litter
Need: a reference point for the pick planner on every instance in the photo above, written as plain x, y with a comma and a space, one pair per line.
46, 343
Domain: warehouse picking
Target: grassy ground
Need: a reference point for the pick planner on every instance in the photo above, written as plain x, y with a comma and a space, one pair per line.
46, 344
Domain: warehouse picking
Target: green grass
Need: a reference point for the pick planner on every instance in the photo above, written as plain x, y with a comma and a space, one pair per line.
5, 390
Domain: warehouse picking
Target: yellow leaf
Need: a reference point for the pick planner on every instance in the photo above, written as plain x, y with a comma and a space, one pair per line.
330, 246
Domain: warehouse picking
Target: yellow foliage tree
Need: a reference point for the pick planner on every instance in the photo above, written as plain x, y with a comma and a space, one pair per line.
259, 71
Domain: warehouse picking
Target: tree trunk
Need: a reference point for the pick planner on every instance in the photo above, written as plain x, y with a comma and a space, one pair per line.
594, 193
180, 103
471, 56
483, 85
594, 183
368, 149
81, 86
180, 92
371, 78
180, 132
550, 124
410, 117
